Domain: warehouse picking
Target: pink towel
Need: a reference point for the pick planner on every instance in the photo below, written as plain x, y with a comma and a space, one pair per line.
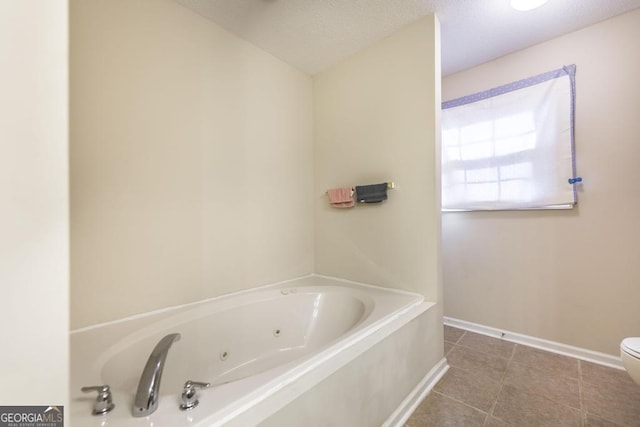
341, 197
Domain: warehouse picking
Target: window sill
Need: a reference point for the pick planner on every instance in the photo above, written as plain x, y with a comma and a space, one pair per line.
543, 208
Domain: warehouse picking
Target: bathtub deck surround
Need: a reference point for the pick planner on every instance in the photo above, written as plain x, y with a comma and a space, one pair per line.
492, 382
262, 350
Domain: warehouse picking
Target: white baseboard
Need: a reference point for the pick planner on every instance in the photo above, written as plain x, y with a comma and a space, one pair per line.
542, 344
413, 399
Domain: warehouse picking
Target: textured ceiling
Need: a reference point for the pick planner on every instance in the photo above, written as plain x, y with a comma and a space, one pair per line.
312, 35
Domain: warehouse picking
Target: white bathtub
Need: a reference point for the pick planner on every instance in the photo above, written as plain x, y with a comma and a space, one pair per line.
269, 345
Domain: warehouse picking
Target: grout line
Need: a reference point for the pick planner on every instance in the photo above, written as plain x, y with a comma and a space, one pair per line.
509, 360
486, 414
583, 411
446, 396
453, 345
464, 332
501, 381
504, 374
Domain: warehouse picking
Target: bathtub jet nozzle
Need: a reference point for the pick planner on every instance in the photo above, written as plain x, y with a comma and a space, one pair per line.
146, 401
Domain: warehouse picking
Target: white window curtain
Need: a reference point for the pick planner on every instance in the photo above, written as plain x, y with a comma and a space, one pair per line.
511, 147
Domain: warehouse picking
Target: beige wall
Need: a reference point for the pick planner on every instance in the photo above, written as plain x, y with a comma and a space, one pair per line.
191, 161
376, 120
34, 226
567, 276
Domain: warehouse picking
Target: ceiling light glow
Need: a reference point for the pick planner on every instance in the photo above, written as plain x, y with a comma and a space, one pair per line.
526, 5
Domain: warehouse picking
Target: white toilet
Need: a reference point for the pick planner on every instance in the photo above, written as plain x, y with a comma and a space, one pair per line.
630, 352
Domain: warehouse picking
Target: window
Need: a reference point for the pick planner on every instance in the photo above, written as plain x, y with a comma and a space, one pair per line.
511, 147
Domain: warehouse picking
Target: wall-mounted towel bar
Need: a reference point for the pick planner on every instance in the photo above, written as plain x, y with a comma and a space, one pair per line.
390, 186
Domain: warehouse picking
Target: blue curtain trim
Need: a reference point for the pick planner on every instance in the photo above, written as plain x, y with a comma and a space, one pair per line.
571, 72
567, 70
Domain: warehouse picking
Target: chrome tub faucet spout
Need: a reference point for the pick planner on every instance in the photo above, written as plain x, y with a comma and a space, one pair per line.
146, 401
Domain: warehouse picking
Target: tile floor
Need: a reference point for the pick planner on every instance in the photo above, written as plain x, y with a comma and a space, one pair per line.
492, 382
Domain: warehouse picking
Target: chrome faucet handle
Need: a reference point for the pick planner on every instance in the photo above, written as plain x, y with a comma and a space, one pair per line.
189, 392
104, 402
